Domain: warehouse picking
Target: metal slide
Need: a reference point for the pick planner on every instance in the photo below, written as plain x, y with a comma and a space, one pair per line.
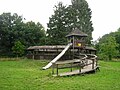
57, 57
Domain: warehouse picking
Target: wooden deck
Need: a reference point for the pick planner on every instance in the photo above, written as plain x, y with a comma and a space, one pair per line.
82, 65
85, 69
76, 72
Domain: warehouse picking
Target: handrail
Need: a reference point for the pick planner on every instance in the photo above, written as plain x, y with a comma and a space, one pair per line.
84, 57
94, 56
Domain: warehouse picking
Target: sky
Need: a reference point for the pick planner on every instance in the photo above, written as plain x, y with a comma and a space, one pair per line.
105, 13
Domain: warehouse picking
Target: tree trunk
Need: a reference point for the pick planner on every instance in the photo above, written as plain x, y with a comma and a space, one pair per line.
17, 56
110, 57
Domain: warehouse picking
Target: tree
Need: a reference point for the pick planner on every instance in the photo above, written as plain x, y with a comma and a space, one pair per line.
117, 37
56, 27
8, 24
34, 34
18, 48
13, 28
77, 15
108, 47
82, 17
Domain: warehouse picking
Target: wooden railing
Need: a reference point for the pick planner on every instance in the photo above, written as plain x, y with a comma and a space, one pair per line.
88, 59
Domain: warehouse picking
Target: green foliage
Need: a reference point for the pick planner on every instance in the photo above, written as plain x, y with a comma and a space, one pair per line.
117, 37
33, 34
104, 40
27, 75
8, 23
108, 47
82, 17
12, 28
56, 27
18, 48
65, 18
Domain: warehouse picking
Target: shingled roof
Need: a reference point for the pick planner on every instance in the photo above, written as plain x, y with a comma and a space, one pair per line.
77, 32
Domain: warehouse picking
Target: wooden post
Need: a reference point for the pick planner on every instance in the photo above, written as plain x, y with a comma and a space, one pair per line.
79, 66
96, 62
70, 53
57, 69
44, 54
33, 56
93, 63
73, 46
71, 67
53, 68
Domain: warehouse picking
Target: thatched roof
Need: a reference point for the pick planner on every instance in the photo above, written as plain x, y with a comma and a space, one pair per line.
77, 32
55, 47
90, 48
46, 47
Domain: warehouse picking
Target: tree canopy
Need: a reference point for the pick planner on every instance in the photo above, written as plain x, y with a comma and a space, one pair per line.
57, 25
108, 47
65, 18
13, 28
109, 43
62, 22
82, 17
18, 48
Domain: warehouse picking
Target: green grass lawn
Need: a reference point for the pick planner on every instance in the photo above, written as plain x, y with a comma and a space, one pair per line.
27, 75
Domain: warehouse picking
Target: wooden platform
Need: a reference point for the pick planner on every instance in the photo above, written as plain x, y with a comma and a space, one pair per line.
76, 72
86, 64
86, 69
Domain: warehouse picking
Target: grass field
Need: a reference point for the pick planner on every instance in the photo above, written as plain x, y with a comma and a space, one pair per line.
27, 75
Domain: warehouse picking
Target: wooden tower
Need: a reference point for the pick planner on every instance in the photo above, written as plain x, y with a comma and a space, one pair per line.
77, 38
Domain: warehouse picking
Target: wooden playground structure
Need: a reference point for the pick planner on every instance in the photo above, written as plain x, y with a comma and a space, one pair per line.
76, 56
82, 62
83, 65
